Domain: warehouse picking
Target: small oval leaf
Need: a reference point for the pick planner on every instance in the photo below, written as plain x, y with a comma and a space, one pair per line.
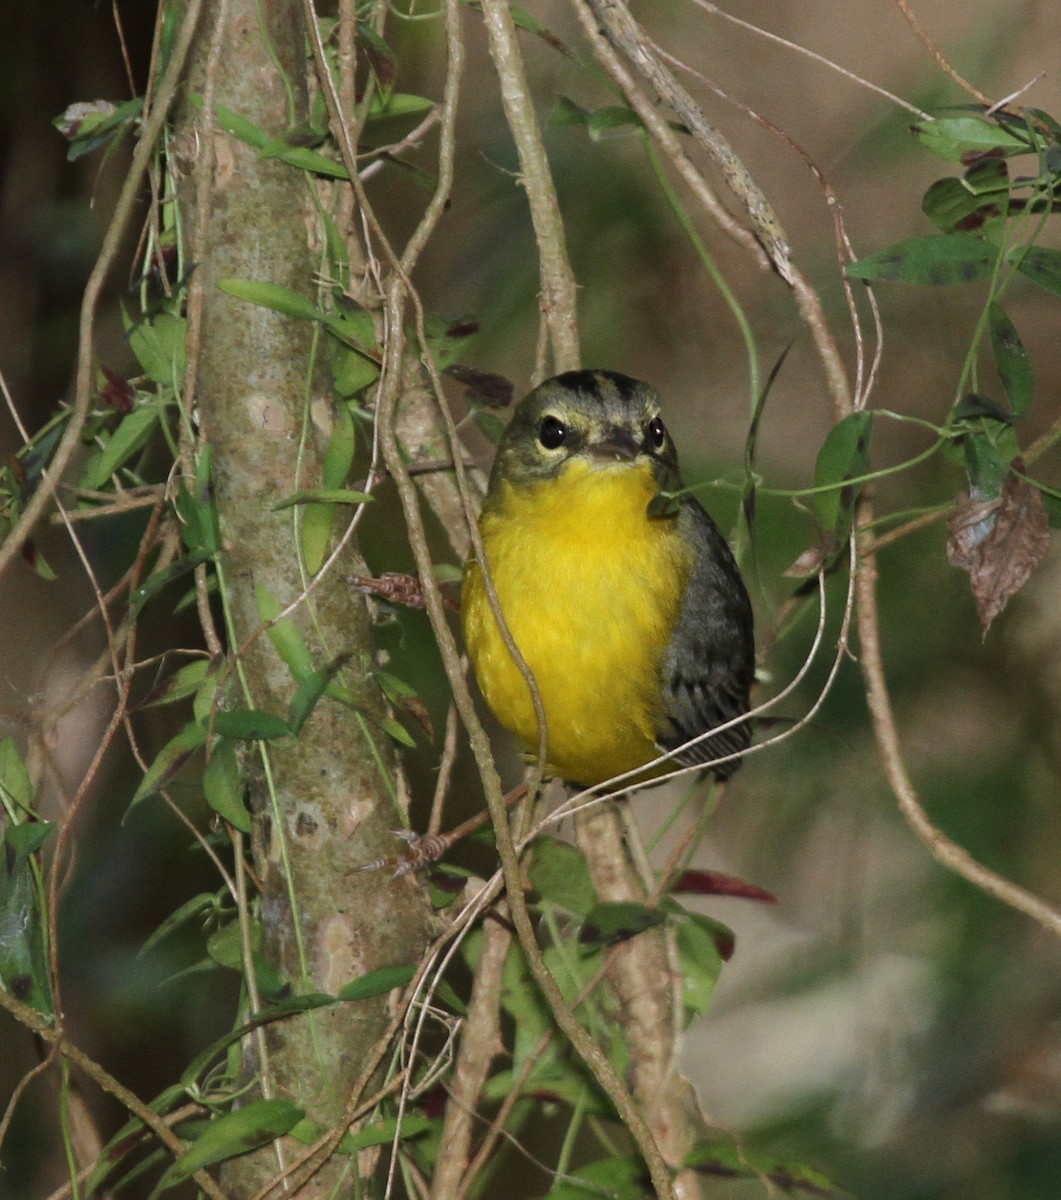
616, 921
940, 259
843, 456
1011, 359
169, 760
1041, 265
273, 296
962, 139
375, 983
235, 1133
250, 725
223, 788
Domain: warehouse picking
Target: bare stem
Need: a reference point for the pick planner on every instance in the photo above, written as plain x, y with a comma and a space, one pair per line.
559, 290
951, 855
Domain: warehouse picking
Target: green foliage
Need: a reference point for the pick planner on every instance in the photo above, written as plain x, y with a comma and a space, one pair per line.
23, 937
141, 441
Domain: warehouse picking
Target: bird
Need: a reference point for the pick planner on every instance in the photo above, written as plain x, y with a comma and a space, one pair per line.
617, 588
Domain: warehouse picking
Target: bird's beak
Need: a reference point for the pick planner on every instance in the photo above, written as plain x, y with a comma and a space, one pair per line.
615, 444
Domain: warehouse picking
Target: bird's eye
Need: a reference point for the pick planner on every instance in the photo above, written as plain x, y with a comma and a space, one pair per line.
552, 433
657, 433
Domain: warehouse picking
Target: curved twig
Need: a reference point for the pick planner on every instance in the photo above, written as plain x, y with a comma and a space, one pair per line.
945, 851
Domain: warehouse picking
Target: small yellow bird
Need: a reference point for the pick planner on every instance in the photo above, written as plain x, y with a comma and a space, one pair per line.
631, 615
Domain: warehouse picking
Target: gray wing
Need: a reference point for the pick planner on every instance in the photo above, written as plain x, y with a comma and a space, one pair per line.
709, 664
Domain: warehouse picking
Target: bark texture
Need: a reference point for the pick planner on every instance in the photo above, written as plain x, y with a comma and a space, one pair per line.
323, 923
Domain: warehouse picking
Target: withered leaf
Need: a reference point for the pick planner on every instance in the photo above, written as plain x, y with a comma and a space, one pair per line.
716, 883
999, 543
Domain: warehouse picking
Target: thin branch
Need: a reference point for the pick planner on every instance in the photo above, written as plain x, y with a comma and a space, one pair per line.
941, 62
622, 31
559, 295
664, 136
951, 855
42, 1027
626, 35
820, 59
480, 1042
583, 1044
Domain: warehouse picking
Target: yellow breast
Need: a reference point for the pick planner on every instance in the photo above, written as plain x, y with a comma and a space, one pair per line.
590, 588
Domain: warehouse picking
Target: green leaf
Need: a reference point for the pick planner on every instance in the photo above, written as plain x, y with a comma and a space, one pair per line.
616, 921
974, 405
447, 339
319, 519
559, 874
31, 554
128, 1141
701, 963
939, 259
310, 691
284, 634
16, 787
169, 760
977, 202
225, 947
489, 426
132, 433
352, 372
159, 346
398, 104
354, 327
190, 910
380, 58
26, 839
960, 139
223, 787
567, 112
376, 983
1040, 264
89, 125
380, 1133
235, 1133
157, 580
200, 528
396, 732
617, 1178
615, 116
737, 1162
324, 496
251, 725
1011, 359
339, 453
183, 682
844, 455
239, 127
987, 177
986, 462
272, 296
23, 960
304, 158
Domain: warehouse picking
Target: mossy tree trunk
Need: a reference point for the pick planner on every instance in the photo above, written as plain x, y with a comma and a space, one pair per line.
323, 802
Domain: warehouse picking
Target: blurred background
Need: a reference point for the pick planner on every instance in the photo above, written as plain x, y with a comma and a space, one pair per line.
884, 1020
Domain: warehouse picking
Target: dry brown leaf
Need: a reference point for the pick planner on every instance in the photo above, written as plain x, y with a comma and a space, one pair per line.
999, 543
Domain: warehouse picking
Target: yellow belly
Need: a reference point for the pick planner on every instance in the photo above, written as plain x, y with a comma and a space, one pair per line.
590, 588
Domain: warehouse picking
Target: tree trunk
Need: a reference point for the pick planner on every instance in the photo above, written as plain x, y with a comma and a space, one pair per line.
323, 802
